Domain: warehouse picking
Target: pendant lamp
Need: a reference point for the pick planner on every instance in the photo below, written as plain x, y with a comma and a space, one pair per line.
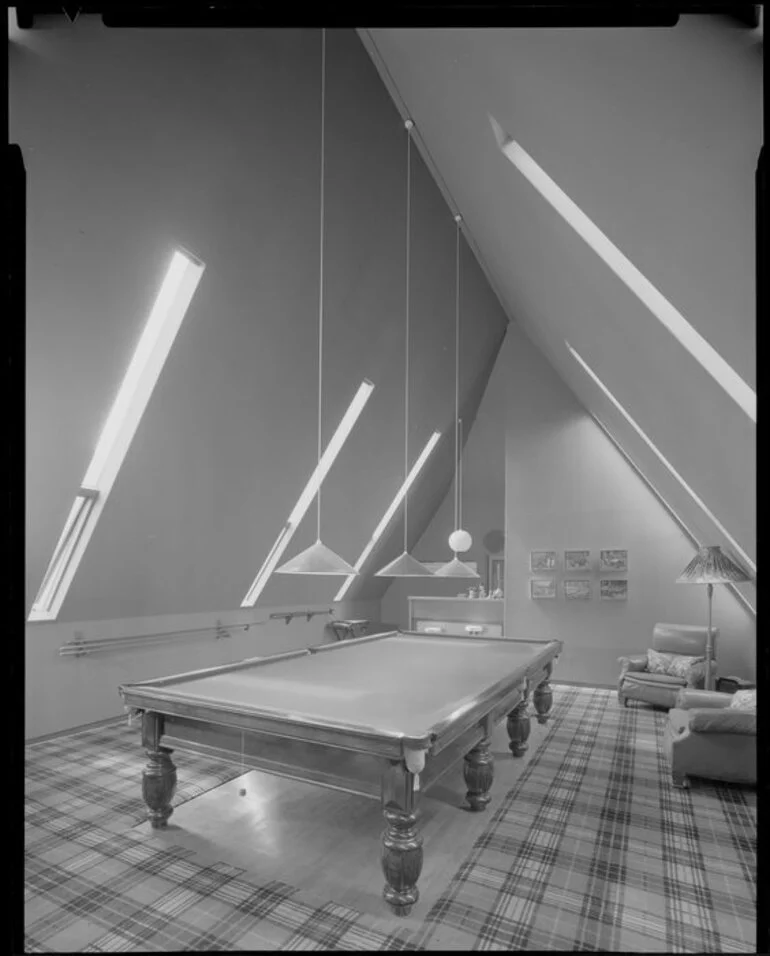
459, 540
405, 566
318, 559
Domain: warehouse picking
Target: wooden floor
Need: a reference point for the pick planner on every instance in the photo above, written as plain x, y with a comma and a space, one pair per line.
327, 842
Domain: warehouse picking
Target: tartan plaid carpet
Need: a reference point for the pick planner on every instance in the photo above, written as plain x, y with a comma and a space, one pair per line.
592, 850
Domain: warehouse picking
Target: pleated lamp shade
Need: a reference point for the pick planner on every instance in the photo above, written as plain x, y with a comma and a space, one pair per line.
317, 559
404, 566
455, 569
711, 566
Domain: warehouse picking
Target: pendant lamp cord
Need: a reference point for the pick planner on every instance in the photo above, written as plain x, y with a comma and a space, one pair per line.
321, 282
460, 484
457, 378
406, 351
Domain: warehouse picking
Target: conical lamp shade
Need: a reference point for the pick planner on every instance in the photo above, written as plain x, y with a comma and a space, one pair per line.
404, 566
317, 559
455, 569
710, 566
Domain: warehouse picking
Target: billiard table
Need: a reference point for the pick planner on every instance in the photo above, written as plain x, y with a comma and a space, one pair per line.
384, 716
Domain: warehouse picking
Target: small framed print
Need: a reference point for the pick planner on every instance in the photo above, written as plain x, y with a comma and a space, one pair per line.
613, 589
542, 589
542, 560
577, 560
577, 589
613, 560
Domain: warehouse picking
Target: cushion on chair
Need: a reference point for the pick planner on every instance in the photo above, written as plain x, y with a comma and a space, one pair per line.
682, 664
726, 720
697, 674
657, 662
744, 700
675, 665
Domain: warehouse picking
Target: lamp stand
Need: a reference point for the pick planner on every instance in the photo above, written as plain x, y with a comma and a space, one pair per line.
709, 640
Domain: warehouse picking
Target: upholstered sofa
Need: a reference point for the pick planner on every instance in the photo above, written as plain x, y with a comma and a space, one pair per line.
637, 683
705, 737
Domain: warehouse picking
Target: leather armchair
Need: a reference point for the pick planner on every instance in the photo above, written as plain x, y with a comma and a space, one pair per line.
705, 737
637, 683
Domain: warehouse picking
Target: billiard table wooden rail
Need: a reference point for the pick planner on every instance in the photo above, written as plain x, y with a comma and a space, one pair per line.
371, 761
156, 695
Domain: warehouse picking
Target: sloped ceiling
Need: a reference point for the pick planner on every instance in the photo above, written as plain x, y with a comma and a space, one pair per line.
655, 134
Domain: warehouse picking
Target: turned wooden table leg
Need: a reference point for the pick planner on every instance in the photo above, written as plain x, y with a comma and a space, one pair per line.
543, 697
401, 843
479, 771
518, 726
159, 776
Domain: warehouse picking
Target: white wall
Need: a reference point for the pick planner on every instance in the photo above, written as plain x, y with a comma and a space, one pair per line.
64, 692
136, 140
539, 467
655, 134
567, 487
483, 506
215, 144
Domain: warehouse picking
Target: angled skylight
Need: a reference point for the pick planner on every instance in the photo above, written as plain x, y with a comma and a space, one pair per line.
696, 542
176, 292
391, 510
325, 462
698, 501
624, 269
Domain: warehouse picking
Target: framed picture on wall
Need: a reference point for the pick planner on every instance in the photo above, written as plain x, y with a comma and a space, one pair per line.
577, 589
542, 560
495, 573
613, 589
613, 560
577, 560
542, 589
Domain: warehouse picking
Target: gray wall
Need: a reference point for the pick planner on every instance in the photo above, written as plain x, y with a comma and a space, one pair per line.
483, 503
655, 134
539, 467
135, 140
568, 487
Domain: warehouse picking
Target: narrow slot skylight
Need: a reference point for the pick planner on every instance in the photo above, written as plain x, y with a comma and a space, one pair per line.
698, 501
695, 541
626, 271
160, 330
388, 516
325, 462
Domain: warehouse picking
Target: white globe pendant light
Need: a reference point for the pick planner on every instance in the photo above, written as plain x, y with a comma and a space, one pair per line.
460, 541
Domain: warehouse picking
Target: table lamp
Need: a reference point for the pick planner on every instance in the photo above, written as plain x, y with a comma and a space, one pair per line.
710, 567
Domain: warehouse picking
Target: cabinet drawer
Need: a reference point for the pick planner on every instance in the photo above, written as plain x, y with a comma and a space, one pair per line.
464, 628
